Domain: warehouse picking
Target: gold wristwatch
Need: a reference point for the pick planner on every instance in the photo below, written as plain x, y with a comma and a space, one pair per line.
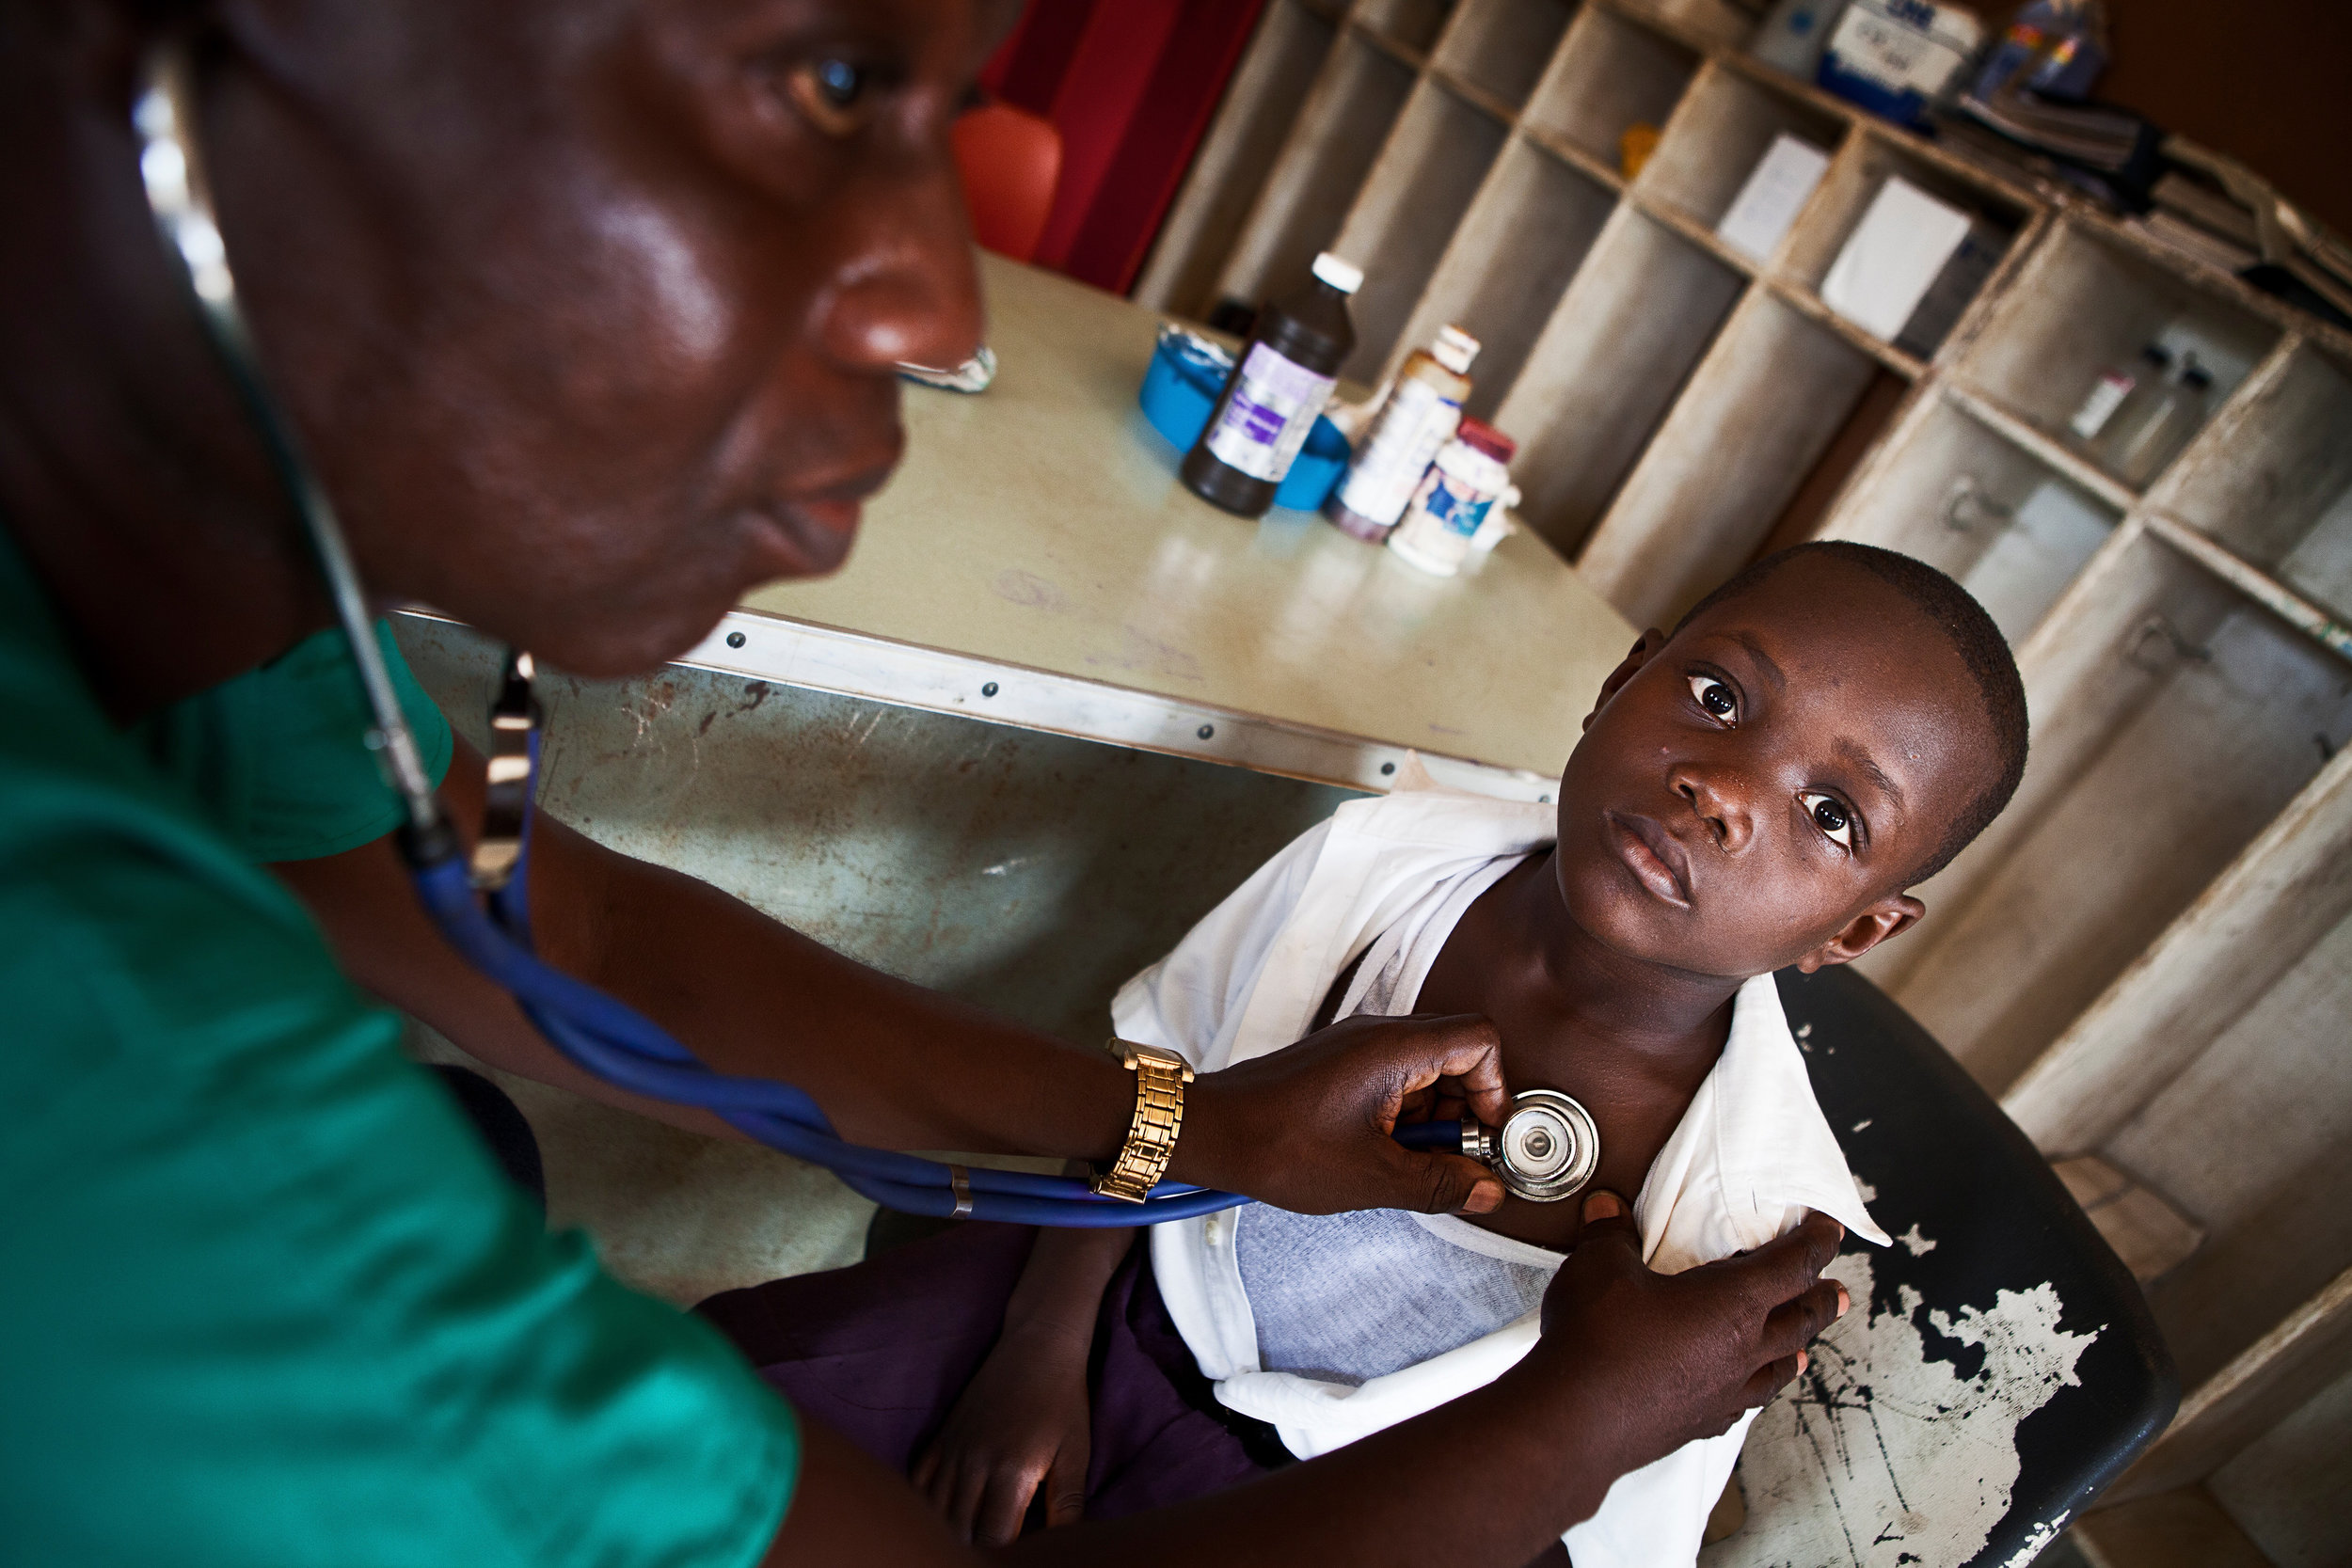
1160, 1079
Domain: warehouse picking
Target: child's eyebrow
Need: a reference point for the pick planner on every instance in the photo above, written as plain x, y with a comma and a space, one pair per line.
1763, 660
1851, 752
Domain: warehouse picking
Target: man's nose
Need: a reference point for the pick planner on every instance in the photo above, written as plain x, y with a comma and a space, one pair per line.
912, 294
1721, 803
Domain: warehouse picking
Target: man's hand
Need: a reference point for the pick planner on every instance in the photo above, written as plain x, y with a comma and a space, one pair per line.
1664, 1359
1308, 1128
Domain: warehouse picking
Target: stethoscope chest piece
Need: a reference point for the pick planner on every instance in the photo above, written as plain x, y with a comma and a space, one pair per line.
1545, 1150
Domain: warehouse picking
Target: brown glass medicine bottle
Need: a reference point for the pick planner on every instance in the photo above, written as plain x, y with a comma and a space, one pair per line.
1280, 384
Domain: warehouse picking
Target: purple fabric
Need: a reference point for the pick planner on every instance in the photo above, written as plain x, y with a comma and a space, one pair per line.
880, 1352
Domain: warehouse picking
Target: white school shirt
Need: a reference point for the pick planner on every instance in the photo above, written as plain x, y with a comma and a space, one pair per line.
1751, 1153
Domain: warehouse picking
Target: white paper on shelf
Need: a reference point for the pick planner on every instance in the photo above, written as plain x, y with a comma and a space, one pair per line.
1774, 193
1900, 244
2023, 571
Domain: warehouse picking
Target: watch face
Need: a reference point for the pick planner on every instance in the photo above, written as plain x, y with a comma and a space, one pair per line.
1548, 1147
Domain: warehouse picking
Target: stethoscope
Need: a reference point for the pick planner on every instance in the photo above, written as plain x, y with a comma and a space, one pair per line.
1545, 1150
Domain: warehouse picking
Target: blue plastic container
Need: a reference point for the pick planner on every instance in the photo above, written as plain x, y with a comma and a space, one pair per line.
1180, 388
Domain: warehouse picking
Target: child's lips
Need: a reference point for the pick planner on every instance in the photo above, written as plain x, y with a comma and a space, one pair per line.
1655, 858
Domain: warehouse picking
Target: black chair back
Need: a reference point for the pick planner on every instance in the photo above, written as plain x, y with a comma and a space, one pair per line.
1999, 1367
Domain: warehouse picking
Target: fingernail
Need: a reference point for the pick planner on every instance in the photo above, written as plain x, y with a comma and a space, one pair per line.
1485, 1199
1844, 1301
1804, 1359
1603, 1206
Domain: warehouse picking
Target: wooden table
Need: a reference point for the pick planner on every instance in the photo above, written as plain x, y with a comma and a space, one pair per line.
1036, 561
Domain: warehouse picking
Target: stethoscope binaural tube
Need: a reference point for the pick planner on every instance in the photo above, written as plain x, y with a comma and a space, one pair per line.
482, 909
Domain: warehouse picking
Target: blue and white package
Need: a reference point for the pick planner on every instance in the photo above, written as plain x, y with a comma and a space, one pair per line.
1894, 58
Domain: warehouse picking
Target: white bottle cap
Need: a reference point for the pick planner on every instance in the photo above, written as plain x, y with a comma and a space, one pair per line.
1454, 349
1346, 277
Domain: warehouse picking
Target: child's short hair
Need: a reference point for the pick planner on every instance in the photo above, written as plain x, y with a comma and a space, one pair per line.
1973, 636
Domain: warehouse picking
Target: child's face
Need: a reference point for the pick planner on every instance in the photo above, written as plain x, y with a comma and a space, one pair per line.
1756, 793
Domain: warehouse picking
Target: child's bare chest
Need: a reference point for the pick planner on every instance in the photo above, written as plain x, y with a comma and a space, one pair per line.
1635, 1109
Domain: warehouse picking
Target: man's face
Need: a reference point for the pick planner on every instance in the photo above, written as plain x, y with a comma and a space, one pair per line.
590, 307
1755, 792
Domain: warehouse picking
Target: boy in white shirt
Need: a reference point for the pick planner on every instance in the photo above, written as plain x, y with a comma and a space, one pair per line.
1752, 793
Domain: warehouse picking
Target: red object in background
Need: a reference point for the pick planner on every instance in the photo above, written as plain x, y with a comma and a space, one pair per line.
1010, 162
1131, 85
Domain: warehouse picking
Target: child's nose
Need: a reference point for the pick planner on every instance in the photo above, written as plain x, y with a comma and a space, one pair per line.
1719, 805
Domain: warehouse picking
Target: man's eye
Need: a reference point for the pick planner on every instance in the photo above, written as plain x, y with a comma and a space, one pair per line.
834, 95
1829, 814
1714, 696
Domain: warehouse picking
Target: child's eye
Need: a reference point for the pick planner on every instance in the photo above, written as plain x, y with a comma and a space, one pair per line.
1829, 814
1715, 697
833, 94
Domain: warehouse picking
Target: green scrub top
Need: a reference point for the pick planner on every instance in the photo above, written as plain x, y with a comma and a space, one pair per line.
265, 1299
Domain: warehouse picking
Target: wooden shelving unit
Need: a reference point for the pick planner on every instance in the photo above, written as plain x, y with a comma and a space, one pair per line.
2149, 956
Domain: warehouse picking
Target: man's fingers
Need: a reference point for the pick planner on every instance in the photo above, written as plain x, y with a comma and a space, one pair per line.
1795, 1324
1608, 1222
1461, 1046
1770, 1380
1438, 1183
1783, 1269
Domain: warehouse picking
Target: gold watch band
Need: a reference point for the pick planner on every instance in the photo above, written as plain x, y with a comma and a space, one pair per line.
1160, 1079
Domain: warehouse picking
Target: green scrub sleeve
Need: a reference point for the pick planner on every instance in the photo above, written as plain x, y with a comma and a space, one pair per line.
280, 756
268, 1301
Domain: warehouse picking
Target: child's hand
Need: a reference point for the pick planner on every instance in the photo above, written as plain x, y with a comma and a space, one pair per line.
1020, 1425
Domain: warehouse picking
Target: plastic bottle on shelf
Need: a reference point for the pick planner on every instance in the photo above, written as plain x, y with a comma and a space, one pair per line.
1424, 407
1470, 474
2139, 441
1281, 379
1792, 35
2114, 389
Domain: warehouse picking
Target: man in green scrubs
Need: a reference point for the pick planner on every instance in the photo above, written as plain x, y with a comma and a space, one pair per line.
589, 310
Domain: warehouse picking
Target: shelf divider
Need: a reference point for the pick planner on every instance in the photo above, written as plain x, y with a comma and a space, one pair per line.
1808, 304
2055, 453
2285, 603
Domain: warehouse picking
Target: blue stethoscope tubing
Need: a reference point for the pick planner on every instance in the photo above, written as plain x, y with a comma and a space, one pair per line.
596, 1032
606, 1038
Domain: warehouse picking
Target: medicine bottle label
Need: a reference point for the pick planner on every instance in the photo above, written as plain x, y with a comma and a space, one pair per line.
1452, 505
1274, 406
1417, 421
2100, 407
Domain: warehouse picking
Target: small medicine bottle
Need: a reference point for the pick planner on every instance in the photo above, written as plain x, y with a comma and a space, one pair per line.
1281, 381
2145, 436
1472, 473
1422, 412
2114, 389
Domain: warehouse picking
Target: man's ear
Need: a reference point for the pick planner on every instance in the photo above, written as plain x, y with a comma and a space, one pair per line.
1897, 911
1643, 647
